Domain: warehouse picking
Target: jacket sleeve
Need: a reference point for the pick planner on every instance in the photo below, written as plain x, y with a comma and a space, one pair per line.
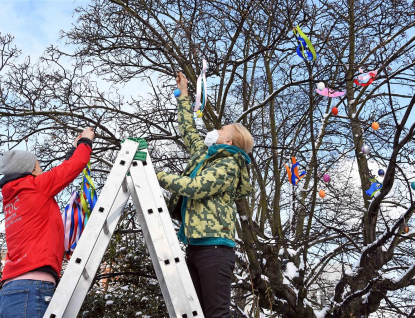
187, 127
83, 140
52, 182
70, 152
213, 180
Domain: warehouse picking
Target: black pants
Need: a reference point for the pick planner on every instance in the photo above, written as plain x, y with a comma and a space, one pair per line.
211, 269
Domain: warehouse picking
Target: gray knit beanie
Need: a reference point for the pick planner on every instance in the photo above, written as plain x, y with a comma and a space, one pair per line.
17, 161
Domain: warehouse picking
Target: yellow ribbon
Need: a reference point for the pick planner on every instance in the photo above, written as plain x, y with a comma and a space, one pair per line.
90, 183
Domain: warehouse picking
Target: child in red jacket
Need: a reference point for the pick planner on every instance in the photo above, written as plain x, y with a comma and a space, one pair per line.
34, 227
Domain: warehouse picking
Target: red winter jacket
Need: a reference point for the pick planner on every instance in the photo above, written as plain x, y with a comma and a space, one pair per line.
34, 227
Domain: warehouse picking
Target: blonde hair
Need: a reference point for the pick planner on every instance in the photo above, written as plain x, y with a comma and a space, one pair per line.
242, 138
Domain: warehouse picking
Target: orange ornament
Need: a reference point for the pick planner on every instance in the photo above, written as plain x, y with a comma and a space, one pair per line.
375, 126
406, 228
335, 111
322, 193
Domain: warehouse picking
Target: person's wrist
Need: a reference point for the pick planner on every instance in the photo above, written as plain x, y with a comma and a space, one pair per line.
183, 95
85, 140
183, 88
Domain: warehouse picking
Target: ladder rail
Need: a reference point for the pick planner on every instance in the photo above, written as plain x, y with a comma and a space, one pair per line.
76, 266
172, 236
181, 300
92, 265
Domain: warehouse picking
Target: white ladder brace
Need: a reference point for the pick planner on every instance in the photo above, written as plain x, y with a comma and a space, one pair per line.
167, 257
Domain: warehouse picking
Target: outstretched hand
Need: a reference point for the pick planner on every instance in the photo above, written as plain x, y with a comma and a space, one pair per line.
87, 133
181, 81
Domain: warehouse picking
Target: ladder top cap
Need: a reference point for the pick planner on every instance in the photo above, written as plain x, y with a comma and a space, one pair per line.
141, 141
139, 155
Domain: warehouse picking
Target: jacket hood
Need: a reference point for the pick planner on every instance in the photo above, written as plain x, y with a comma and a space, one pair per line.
244, 187
11, 177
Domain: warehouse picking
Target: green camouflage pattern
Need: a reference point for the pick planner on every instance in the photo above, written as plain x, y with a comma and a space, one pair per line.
221, 179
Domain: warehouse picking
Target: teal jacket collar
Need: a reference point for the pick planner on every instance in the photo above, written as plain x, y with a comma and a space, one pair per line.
212, 150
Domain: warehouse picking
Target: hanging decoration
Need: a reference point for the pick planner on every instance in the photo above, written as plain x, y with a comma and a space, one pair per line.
305, 49
78, 211
292, 174
366, 78
176, 92
375, 126
201, 91
365, 149
406, 228
321, 86
329, 92
374, 188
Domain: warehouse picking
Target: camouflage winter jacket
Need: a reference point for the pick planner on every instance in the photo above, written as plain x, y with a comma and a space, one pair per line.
220, 180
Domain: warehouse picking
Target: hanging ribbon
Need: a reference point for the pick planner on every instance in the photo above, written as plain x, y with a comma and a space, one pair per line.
78, 211
73, 223
305, 49
88, 194
201, 89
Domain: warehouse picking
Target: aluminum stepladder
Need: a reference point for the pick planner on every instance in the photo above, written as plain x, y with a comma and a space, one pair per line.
167, 257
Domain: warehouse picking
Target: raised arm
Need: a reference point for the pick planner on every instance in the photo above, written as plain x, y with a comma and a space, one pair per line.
187, 127
58, 178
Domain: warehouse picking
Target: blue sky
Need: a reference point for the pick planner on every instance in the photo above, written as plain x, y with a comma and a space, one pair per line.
36, 24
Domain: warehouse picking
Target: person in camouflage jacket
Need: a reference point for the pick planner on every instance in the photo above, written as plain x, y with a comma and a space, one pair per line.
214, 178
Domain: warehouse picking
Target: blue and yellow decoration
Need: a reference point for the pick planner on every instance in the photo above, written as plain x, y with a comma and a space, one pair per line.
374, 188
305, 49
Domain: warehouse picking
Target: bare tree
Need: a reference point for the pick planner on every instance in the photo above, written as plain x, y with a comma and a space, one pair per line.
298, 255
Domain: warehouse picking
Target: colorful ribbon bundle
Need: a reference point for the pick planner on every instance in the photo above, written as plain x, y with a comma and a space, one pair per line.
78, 211
201, 89
305, 49
73, 223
